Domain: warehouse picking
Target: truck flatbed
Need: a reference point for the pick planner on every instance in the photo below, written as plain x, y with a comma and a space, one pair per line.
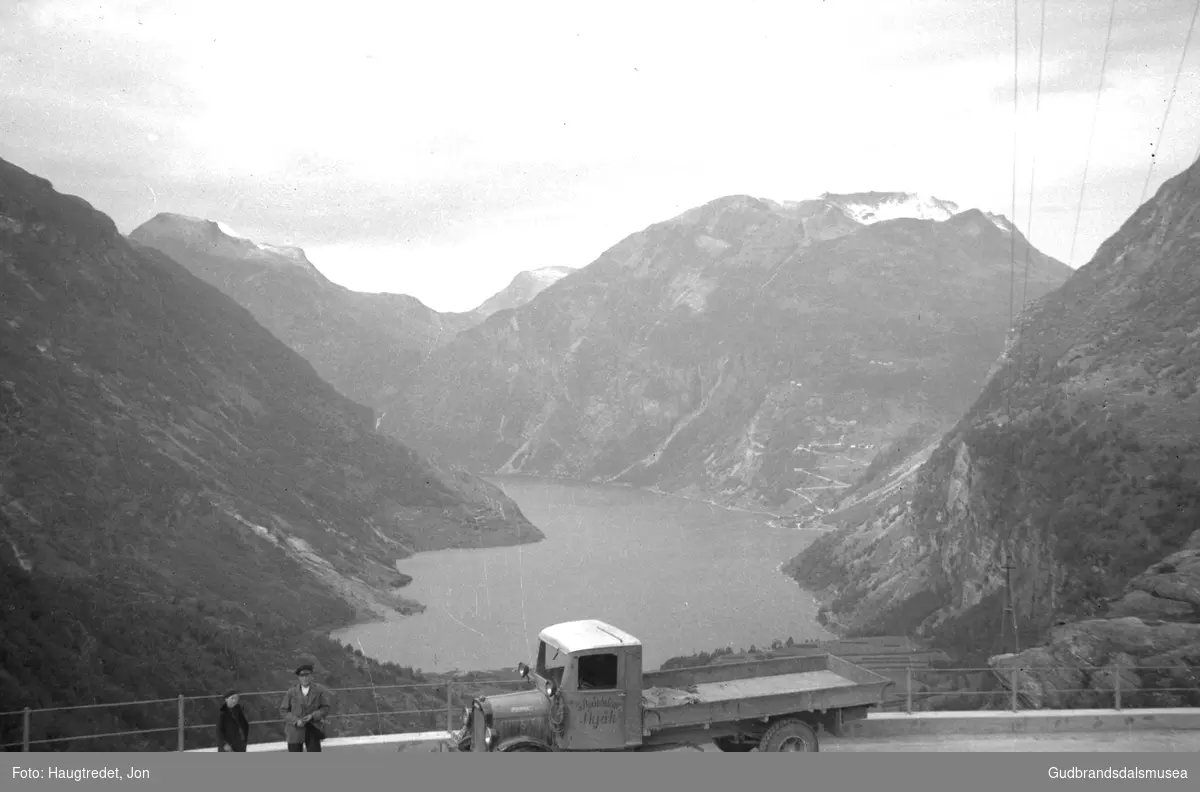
743, 691
756, 687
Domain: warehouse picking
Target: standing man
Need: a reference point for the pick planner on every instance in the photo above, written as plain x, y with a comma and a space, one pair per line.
233, 729
303, 710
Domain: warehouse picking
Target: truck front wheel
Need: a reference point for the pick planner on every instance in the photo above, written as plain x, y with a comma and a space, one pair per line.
789, 735
521, 745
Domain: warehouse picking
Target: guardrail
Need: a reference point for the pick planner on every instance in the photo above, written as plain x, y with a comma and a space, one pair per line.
916, 688
1022, 688
442, 717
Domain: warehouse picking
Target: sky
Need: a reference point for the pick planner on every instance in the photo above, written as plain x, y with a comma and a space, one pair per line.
437, 149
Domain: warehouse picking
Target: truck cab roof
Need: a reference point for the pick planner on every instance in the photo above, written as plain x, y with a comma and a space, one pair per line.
578, 636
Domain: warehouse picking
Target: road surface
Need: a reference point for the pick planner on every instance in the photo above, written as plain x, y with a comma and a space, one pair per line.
1133, 741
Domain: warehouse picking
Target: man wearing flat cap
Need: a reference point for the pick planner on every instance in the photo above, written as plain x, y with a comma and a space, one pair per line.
233, 729
303, 710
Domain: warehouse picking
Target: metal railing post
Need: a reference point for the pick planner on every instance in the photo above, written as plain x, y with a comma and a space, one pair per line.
1117, 686
180, 721
1015, 681
25, 728
449, 706
908, 689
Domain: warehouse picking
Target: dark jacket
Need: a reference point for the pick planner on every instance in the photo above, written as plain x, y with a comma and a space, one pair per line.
295, 705
232, 728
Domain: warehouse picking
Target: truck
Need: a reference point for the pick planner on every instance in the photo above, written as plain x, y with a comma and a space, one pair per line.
588, 692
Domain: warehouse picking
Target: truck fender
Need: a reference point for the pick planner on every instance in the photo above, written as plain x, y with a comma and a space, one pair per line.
522, 743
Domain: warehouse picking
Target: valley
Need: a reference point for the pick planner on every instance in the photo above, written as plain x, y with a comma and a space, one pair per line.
615, 403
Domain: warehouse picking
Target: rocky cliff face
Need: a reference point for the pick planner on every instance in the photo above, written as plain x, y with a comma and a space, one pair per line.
1078, 464
523, 288
366, 345
153, 431
1144, 651
746, 351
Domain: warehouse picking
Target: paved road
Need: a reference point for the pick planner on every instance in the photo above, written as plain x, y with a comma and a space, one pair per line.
1133, 741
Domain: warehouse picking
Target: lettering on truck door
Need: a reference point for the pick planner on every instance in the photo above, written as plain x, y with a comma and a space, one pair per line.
596, 710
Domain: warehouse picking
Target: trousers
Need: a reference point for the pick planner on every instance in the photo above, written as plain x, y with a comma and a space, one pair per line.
312, 740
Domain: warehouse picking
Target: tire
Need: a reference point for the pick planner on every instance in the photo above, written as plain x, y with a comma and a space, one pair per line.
728, 745
789, 735
519, 745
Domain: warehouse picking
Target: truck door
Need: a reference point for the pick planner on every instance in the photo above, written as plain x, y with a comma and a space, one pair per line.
595, 700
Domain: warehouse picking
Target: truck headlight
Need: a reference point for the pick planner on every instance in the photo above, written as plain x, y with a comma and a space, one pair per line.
488, 736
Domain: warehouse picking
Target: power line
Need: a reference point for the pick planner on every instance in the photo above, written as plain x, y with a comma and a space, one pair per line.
1017, 346
1037, 108
1087, 161
1016, 128
1009, 617
1012, 280
1170, 99
1017, 341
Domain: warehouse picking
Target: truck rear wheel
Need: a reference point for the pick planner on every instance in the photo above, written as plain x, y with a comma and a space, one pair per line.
789, 735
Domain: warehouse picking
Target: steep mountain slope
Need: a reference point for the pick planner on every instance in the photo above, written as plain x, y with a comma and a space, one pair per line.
523, 288
178, 489
1079, 463
746, 351
365, 344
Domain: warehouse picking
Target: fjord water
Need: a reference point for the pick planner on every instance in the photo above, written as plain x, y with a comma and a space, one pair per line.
679, 574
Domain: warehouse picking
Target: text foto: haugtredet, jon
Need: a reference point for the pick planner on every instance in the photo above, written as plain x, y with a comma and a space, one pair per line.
80, 773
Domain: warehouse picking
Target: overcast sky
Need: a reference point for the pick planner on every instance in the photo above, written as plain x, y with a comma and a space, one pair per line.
437, 148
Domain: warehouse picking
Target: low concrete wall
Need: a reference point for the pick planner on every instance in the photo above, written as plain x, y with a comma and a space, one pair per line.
881, 725
894, 724
435, 740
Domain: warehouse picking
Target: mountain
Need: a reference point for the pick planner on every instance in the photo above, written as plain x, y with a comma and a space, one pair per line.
746, 351
365, 344
184, 502
523, 288
1078, 463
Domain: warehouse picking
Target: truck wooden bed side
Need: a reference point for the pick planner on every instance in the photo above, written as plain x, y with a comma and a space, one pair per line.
753, 690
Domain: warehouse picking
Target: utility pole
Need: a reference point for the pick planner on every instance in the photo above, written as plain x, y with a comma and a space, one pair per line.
1010, 616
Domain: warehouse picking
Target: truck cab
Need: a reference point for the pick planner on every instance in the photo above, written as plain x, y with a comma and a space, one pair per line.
589, 693
587, 696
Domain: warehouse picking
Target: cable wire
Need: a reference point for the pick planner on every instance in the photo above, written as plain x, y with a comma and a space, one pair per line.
1091, 138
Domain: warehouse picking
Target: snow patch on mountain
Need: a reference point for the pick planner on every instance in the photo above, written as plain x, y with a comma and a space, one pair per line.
876, 207
1000, 221
229, 232
547, 276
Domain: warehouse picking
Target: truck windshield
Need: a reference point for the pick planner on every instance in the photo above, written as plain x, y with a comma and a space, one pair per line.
551, 662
